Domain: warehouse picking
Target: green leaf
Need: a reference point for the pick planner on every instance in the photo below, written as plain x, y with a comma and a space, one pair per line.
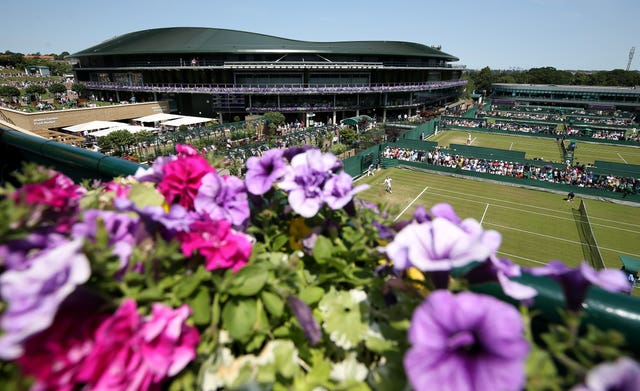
215, 309
143, 195
279, 241
151, 294
320, 368
239, 317
311, 294
248, 281
273, 303
201, 307
188, 284
255, 342
322, 249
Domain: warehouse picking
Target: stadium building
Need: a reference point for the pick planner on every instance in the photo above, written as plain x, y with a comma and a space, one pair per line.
227, 73
588, 97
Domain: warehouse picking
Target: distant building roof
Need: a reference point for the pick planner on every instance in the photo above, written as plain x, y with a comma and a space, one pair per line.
213, 40
566, 88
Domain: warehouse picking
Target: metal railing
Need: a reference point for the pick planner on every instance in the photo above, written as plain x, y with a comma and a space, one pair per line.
275, 88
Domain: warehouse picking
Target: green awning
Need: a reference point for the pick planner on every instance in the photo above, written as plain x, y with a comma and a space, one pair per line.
631, 264
356, 120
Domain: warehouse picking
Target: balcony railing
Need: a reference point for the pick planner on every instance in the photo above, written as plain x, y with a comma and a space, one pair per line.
208, 63
274, 89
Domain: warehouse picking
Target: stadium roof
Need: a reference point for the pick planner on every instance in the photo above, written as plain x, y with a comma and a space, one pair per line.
212, 40
566, 88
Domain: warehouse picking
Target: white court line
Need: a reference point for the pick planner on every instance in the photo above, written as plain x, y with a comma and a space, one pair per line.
561, 239
554, 216
484, 214
510, 146
526, 259
410, 203
625, 162
471, 142
555, 211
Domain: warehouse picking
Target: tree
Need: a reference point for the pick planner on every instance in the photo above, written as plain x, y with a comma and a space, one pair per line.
117, 141
9, 91
79, 88
483, 80
548, 75
59, 68
348, 136
57, 89
274, 119
36, 90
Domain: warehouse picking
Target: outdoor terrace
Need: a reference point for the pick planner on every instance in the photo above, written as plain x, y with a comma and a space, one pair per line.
274, 88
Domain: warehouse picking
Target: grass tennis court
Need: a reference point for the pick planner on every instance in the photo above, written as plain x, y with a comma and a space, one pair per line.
539, 147
536, 226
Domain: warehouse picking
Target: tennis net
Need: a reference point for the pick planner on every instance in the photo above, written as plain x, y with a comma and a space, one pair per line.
593, 254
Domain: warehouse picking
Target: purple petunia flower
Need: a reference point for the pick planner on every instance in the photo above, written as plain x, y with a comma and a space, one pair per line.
339, 190
575, 282
440, 245
501, 269
290, 153
223, 198
155, 173
303, 313
466, 342
304, 180
124, 231
622, 375
155, 218
263, 172
34, 294
420, 215
18, 254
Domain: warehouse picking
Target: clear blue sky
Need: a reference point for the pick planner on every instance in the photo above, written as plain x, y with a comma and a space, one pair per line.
501, 34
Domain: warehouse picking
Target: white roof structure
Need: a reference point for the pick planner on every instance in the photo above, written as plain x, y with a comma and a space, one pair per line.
185, 120
93, 126
129, 128
159, 117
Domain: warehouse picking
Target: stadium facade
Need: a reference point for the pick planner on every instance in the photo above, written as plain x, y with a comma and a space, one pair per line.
227, 73
589, 97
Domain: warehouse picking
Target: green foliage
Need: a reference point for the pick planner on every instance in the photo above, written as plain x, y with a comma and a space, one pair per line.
483, 80
57, 88
274, 119
118, 141
549, 75
79, 89
348, 136
9, 91
35, 89
338, 149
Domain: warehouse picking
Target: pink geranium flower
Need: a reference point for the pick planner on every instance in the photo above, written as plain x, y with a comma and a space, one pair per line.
168, 344
132, 353
55, 356
222, 247
182, 178
58, 192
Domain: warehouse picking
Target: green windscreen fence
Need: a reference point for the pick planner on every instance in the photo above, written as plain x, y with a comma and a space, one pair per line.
619, 169
413, 144
421, 131
359, 163
487, 153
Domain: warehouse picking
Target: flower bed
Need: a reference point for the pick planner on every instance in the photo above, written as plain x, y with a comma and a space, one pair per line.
181, 278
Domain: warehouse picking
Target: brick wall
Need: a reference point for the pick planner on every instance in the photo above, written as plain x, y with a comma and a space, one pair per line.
62, 118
